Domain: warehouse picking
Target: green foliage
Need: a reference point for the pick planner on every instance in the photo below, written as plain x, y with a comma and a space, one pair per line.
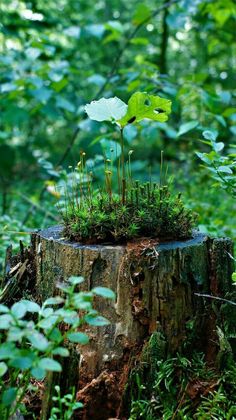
141, 105
31, 339
64, 406
222, 168
172, 392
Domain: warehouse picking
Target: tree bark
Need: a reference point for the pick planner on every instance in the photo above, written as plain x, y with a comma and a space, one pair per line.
154, 285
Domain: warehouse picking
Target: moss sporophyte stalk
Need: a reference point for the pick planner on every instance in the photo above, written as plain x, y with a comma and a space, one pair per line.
123, 208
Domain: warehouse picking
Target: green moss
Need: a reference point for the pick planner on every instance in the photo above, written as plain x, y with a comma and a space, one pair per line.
147, 210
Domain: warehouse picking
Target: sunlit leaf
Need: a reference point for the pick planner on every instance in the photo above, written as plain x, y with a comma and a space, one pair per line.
112, 109
141, 105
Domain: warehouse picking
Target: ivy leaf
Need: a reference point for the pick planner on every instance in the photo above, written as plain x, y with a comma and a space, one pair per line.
141, 105
112, 109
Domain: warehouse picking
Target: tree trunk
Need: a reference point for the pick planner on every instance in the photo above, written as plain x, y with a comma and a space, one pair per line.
154, 285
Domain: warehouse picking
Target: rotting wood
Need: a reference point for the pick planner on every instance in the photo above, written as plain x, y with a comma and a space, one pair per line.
154, 285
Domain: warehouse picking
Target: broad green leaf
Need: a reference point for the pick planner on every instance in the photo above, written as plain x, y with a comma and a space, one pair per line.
15, 334
21, 362
76, 280
7, 350
104, 292
234, 277
38, 373
204, 157
50, 364
55, 335
78, 337
210, 135
77, 405
46, 312
3, 369
142, 13
31, 306
48, 323
19, 309
186, 127
141, 105
96, 321
9, 396
3, 309
225, 169
38, 340
53, 301
61, 351
218, 146
112, 109
5, 321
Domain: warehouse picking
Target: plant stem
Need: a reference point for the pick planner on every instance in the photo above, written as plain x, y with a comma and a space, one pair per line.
161, 169
122, 165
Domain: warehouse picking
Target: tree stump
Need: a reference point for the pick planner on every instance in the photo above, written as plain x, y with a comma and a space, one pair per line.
155, 287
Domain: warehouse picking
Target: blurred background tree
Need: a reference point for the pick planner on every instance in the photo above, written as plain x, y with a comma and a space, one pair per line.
57, 56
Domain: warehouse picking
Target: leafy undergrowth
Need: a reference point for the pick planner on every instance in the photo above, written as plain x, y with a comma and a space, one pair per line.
183, 388
148, 210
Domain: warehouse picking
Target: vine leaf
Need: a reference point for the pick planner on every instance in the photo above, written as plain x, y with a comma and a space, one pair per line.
111, 109
141, 105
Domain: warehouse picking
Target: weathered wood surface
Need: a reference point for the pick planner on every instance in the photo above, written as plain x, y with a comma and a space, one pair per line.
154, 285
